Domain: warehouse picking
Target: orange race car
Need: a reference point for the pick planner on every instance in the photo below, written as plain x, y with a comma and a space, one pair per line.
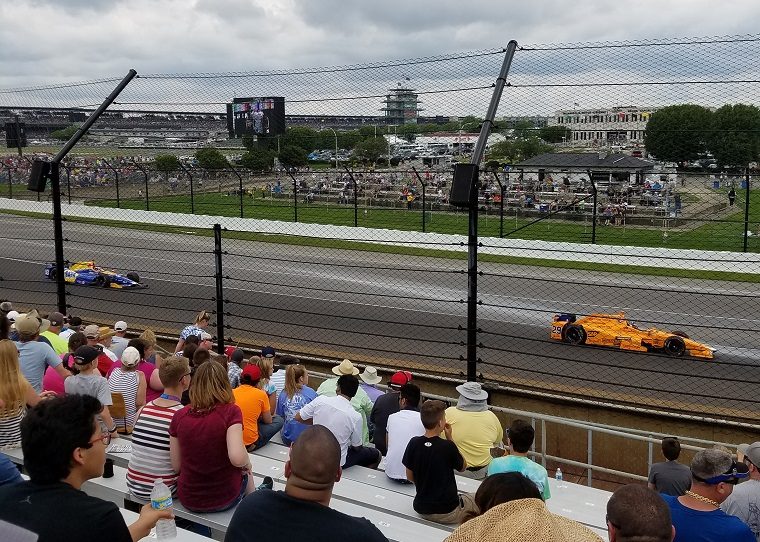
616, 331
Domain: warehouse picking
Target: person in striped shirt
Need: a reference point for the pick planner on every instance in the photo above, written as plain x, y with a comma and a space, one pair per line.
150, 439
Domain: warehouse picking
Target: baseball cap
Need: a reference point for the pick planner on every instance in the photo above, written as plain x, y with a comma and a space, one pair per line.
121, 325
130, 357
12, 315
252, 371
92, 331
31, 323
56, 319
267, 352
228, 350
400, 378
206, 336
6, 306
751, 452
85, 354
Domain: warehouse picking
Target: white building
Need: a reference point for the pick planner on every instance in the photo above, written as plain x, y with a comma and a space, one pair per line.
600, 127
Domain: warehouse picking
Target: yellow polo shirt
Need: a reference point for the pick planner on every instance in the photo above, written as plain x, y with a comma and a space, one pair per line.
474, 433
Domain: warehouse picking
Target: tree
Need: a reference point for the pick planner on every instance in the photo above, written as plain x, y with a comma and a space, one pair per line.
516, 150
523, 129
65, 134
370, 150
678, 133
166, 162
303, 137
734, 138
258, 159
292, 156
554, 134
211, 158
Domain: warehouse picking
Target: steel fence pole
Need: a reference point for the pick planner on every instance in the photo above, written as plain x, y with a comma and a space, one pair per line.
746, 208
472, 233
424, 189
590, 457
68, 183
145, 175
10, 182
594, 210
219, 280
116, 173
356, 208
192, 192
55, 186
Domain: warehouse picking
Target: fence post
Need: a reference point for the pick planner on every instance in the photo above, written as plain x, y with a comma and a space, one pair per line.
594, 210
501, 205
10, 182
192, 193
240, 188
424, 189
219, 289
68, 183
356, 205
145, 174
746, 208
590, 457
543, 442
650, 451
295, 195
55, 182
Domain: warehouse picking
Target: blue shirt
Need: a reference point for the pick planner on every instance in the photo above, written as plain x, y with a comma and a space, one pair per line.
33, 358
530, 469
698, 526
288, 407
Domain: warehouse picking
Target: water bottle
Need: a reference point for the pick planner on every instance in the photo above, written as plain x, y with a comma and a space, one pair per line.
161, 499
558, 475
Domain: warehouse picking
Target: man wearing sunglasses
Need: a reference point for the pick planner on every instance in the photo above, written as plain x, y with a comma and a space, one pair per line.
744, 502
696, 514
64, 446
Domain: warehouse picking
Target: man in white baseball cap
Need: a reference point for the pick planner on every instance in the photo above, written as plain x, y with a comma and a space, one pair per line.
119, 340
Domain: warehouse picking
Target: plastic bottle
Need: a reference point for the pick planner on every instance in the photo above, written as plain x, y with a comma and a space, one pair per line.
161, 499
558, 475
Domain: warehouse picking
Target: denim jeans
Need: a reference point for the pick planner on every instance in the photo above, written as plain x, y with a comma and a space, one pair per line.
267, 431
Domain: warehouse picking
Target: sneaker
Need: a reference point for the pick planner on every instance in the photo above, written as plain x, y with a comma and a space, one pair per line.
268, 483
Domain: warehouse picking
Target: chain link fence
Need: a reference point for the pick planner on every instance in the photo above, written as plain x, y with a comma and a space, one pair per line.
616, 199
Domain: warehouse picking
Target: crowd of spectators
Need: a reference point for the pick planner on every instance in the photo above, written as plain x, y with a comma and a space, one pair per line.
195, 415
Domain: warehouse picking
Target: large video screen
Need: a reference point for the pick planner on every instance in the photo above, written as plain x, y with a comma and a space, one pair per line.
256, 116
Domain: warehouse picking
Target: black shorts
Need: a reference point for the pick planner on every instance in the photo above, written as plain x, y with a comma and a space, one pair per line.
361, 455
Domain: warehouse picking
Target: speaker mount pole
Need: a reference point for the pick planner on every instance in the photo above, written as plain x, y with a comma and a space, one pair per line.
55, 187
472, 233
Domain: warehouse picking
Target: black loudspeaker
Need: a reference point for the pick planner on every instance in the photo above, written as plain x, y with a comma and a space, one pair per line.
39, 177
465, 185
15, 135
541, 175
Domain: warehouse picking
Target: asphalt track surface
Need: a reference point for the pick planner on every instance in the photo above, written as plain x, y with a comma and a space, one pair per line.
394, 310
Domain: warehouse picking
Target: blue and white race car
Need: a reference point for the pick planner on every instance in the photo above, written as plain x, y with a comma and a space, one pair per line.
87, 273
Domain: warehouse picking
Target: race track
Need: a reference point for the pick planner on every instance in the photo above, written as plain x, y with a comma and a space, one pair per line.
404, 310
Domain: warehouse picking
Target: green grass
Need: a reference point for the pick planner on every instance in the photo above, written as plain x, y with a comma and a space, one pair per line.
414, 251
726, 234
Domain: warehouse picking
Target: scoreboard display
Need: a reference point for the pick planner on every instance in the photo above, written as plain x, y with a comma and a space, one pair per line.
256, 116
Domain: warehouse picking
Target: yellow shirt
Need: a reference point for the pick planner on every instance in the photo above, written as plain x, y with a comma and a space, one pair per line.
61, 346
252, 402
474, 433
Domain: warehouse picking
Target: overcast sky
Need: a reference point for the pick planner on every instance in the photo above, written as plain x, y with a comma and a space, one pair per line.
48, 41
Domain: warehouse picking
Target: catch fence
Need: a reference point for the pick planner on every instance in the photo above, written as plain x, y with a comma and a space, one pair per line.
644, 151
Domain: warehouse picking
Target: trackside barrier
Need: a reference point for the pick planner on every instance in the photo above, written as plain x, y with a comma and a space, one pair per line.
546, 250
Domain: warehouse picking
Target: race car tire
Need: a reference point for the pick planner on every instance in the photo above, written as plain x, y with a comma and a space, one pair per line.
134, 277
52, 273
575, 334
674, 346
100, 280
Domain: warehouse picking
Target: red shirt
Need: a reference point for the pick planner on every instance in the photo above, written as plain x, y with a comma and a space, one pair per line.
207, 480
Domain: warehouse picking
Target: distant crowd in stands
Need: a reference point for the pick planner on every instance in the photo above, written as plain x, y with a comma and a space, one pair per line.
195, 417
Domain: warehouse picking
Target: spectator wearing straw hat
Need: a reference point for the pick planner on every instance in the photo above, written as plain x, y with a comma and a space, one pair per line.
474, 428
386, 405
370, 380
360, 401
